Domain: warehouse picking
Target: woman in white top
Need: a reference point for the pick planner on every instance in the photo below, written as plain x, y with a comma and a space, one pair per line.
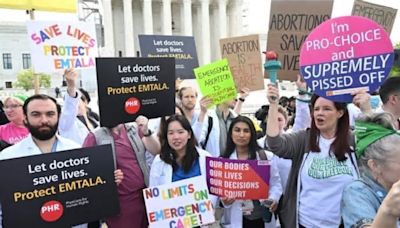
179, 158
323, 163
242, 145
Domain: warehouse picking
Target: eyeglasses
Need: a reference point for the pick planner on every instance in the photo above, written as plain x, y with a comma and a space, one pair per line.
14, 106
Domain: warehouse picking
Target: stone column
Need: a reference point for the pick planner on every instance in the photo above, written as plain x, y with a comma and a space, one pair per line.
148, 17
205, 30
108, 29
167, 21
187, 18
128, 25
222, 18
235, 16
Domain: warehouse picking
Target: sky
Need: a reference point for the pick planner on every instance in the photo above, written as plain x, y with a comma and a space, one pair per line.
258, 13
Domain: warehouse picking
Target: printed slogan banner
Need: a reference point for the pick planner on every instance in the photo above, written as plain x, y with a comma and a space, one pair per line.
61, 45
182, 48
129, 87
289, 24
344, 54
243, 54
215, 80
239, 179
184, 203
385, 16
59, 189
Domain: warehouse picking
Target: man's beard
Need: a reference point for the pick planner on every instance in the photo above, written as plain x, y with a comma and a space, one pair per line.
189, 108
42, 134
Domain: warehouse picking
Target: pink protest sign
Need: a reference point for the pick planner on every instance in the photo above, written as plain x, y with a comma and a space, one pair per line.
344, 54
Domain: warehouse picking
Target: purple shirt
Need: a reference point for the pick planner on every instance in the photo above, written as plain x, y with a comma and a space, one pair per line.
132, 208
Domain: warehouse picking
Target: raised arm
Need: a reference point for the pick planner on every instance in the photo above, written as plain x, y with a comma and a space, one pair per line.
272, 123
150, 139
71, 101
244, 92
302, 118
197, 127
282, 145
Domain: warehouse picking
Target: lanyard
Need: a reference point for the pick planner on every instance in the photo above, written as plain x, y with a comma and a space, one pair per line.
54, 147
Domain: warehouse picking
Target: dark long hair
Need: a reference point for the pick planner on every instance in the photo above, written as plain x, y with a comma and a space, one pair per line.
230, 145
163, 127
168, 155
340, 145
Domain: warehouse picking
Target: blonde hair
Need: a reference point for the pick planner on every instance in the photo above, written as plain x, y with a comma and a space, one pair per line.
19, 101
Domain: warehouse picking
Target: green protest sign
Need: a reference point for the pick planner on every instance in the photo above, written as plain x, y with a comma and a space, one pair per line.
215, 80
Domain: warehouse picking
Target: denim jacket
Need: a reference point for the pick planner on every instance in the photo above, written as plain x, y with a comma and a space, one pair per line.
361, 200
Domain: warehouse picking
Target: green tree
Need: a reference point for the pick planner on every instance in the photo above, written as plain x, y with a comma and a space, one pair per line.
25, 80
395, 69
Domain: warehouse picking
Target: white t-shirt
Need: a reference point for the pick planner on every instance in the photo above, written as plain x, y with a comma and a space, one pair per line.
323, 179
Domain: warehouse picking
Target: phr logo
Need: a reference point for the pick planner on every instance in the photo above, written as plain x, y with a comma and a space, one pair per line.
51, 211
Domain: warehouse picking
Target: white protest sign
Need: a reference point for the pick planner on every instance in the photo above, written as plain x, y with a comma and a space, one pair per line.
183, 203
61, 45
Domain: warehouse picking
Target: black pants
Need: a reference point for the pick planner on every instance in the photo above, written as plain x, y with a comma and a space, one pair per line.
95, 224
257, 223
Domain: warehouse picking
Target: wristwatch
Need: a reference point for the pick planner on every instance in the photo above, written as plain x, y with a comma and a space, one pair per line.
148, 133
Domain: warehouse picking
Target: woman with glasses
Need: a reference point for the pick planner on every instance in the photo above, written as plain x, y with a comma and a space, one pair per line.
15, 130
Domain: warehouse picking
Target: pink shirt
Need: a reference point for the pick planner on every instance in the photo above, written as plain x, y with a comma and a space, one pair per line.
12, 133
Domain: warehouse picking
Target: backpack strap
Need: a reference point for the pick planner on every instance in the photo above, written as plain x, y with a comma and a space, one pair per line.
210, 125
103, 137
262, 155
139, 149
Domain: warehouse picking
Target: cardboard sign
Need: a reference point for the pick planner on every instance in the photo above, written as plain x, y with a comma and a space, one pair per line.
59, 189
385, 16
184, 203
129, 87
61, 45
182, 48
244, 58
344, 54
289, 24
239, 179
215, 80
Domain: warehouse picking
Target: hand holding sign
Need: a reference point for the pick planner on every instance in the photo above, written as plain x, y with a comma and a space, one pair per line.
227, 201
272, 65
205, 102
361, 99
273, 94
300, 83
142, 122
119, 176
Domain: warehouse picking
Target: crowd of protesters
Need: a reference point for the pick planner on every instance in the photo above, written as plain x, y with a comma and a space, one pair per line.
330, 166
